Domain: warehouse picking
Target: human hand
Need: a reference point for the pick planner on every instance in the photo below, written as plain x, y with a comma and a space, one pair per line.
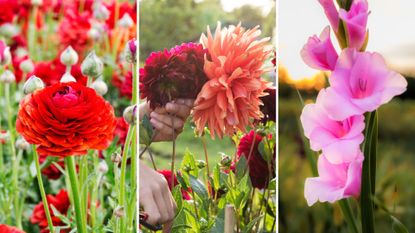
155, 196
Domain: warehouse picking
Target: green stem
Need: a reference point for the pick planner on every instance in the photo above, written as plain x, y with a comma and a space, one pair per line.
207, 163
1, 145
42, 190
94, 192
348, 215
71, 168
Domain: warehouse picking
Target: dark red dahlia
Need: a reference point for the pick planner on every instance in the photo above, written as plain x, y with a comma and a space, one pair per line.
51, 72
124, 84
167, 174
269, 107
73, 31
174, 74
258, 167
60, 202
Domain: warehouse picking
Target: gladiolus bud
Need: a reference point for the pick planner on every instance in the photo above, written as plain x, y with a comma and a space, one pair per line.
27, 66
22, 144
92, 66
103, 167
5, 55
130, 114
101, 12
130, 51
126, 21
100, 86
69, 56
7, 77
9, 30
67, 77
32, 84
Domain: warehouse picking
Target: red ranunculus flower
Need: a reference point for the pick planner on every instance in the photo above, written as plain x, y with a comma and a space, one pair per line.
73, 30
66, 119
121, 130
51, 72
51, 171
269, 107
173, 74
167, 175
8, 229
124, 8
60, 202
124, 84
8, 10
258, 167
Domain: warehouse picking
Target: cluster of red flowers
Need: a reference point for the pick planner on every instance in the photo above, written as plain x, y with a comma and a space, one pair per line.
173, 74
124, 83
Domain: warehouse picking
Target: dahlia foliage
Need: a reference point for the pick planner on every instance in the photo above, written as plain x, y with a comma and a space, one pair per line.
66, 77
342, 123
226, 74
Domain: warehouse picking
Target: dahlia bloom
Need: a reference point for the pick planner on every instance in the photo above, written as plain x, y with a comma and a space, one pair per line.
231, 97
335, 181
60, 202
258, 167
319, 52
66, 119
9, 229
175, 74
339, 140
355, 21
167, 175
361, 82
51, 72
73, 31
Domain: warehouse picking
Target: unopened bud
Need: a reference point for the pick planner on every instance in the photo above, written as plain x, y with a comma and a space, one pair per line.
5, 55
101, 12
32, 84
187, 168
100, 86
21, 52
27, 66
4, 135
7, 77
116, 158
9, 30
130, 114
92, 66
103, 167
226, 161
119, 212
126, 21
69, 56
130, 51
67, 77
37, 2
201, 164
94, 34
22, 144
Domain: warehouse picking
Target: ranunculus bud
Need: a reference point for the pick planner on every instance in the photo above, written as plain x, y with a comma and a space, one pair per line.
69, 56
9, 30
22, 144
130, 51
7, 77
67, 77
116, 158
5, 55
99, 86
32, 84
129, 114
126, 21
103, 167
4, 135
119, 212
226, 161
92, 66
101, 12
27, 66
94, 34
201, 164
37, 2
20, 52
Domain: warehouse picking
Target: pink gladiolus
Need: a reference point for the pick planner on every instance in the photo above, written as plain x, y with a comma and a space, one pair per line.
361, 82
339, 140
331, 12
356, 20
335, 181
319, 52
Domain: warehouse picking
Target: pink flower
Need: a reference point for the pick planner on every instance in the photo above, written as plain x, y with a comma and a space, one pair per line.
336, 181
361, 82
331, 12
356, 20
339, 140
319, 52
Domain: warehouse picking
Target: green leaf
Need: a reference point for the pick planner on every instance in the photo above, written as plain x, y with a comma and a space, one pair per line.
198, 188
241, 167
189, 163
397, 226
251, 224
219, 225
146, 131
216, 177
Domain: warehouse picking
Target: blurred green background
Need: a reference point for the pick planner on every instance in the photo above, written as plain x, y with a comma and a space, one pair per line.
395, 188
166, 23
